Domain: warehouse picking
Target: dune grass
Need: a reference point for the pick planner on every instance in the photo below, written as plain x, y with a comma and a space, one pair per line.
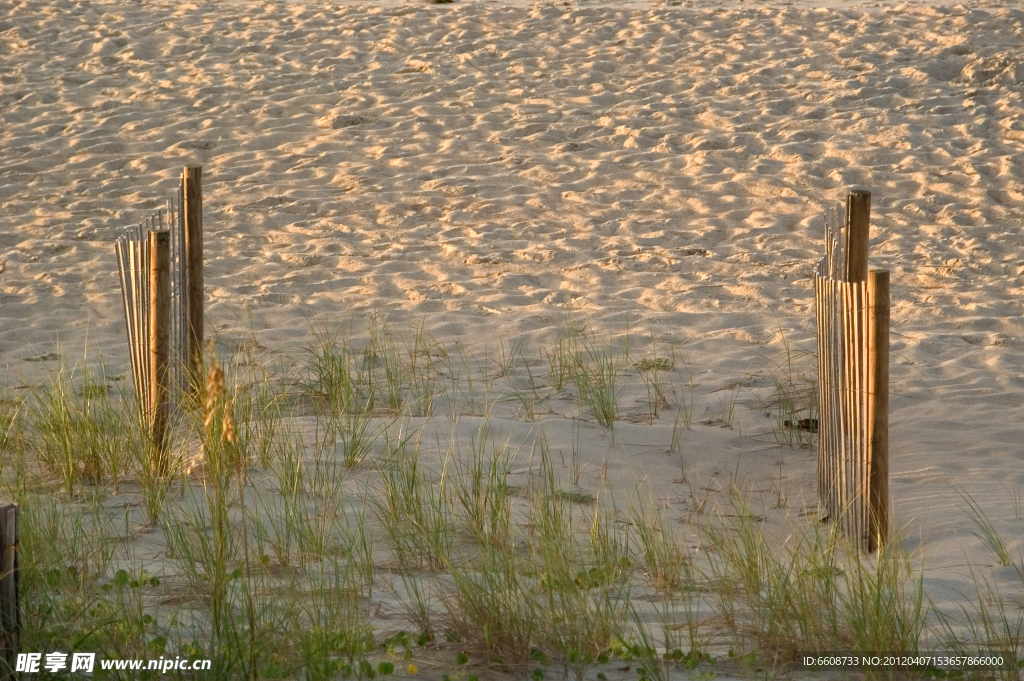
306, 527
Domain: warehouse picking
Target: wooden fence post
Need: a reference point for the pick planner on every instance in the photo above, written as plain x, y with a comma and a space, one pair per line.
159, 343
10, 612
858, 221
878, 409
192, 190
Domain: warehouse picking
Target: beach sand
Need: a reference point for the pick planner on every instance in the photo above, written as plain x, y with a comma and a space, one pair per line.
663, 168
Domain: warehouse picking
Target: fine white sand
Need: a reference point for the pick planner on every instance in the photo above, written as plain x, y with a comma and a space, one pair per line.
479, 165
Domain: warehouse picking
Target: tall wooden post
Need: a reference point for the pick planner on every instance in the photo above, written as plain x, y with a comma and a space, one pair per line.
878, 409
858, 221
159, 343
192, 190
10, 612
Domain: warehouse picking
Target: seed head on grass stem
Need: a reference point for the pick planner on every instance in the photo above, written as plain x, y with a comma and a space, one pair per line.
221, 446
215, 403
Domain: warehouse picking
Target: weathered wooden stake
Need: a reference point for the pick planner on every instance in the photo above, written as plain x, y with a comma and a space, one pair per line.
10, 612
858, 220
159, 343
878, 409
192, 184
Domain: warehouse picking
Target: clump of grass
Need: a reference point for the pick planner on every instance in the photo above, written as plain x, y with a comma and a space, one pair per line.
583, 613
383, 350
985, 530
470, 393
284, 530
11, 415
259, 406
212, 545
562, 360
66, 550
486, 598
654, 364
80, 436
991, 624
652, 371
491, 604
480, 486
413, 509
595, 376
504, 359
354, 436
592, 367
728, 398
609, 540
795, 416
810, 589
684, 400
575, 496
560, 363
660, 556
423, 372
337, 380
334, 637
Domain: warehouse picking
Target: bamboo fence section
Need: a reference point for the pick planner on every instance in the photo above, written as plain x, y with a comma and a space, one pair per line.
852, 307
10, 611
160, 263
